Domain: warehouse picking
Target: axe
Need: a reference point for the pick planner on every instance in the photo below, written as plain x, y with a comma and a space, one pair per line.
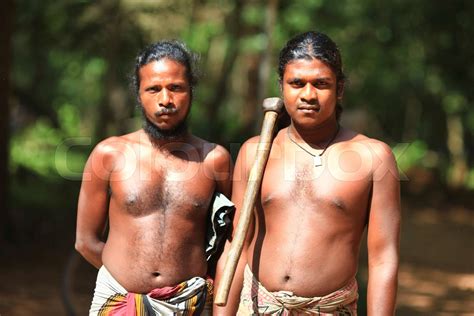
271, 107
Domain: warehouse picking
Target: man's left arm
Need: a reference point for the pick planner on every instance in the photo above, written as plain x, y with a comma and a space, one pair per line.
222, 170
219, 168
383, 233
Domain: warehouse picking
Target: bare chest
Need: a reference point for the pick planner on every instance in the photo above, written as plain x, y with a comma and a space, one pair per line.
145, 187
338, 184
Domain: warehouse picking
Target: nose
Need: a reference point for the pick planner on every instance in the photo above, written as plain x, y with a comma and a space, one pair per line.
164, 98
309, 94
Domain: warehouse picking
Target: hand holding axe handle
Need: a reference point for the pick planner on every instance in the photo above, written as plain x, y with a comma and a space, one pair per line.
272, 107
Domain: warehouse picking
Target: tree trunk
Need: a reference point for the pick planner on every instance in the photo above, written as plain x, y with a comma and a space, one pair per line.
234, 26
109, 111
6, 23
459, 170
265, 68
258, 76
251, 110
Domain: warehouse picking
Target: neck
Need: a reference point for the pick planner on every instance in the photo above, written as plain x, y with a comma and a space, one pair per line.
159, 137
168, 143
315, 136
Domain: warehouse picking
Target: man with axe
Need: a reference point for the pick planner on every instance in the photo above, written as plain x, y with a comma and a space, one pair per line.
323, 185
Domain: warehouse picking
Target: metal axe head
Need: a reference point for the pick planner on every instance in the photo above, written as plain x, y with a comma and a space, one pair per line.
272, 104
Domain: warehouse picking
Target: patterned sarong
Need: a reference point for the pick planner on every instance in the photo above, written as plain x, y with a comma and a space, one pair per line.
186, 298
256, 300
192, 297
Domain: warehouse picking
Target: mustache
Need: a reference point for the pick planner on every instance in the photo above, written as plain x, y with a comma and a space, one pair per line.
169, 110
309, 106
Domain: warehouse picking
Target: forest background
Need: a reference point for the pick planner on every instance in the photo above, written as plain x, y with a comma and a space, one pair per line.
65, 67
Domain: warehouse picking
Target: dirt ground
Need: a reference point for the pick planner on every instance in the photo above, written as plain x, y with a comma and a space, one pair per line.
436, 272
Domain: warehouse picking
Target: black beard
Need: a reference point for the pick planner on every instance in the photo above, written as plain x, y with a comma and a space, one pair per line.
156, 133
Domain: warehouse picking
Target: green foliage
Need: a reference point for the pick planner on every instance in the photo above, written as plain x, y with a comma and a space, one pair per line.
407, 64
51, 152
199, 37
415, 154
254, 14
454, 102
81, 79
295, 19
34, 148
470, 180
254, 43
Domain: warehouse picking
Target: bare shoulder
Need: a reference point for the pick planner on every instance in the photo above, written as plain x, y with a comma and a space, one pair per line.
211, 152
114, 144
218, 155
107, 148
375, 151
252, 140
106, 152
378, 149
370, 145
217, 163
248, 150
250, 145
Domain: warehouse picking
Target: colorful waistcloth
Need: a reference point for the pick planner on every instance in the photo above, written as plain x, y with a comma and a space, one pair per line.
256, 300
191, 297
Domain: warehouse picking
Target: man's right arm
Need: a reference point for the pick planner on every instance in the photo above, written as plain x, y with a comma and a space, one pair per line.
383, 235
93, 204
239, 185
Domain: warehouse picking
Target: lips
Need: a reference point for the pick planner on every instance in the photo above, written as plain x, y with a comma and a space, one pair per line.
309, 108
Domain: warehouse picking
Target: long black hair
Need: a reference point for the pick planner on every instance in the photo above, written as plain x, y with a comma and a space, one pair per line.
314, 45
171, 49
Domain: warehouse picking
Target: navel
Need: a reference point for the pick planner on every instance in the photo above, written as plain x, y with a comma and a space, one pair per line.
337, 202
155, 274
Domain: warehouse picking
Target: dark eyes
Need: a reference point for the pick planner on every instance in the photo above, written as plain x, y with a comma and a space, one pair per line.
172, 88
153, 89
176, 87
297, 84
316, 84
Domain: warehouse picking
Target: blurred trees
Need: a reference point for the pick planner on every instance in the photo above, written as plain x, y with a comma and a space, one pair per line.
6, 17
407, 63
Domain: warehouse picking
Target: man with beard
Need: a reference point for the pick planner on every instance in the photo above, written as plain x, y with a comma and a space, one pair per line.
323, 185
157, 188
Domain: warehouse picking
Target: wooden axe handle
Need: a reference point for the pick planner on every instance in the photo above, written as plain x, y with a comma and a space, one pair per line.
272, 107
